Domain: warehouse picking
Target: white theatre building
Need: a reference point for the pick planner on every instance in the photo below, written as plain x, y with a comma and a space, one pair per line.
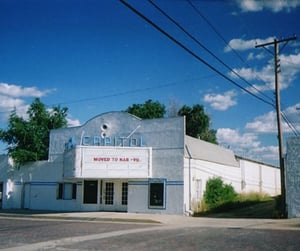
118, 162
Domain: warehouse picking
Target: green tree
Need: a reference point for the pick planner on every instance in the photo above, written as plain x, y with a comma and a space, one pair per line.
198, 123
148, 110
28, 140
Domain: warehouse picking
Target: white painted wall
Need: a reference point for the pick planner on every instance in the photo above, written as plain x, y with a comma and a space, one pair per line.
249, 176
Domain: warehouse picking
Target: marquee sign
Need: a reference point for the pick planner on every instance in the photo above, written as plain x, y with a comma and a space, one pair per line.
109, 162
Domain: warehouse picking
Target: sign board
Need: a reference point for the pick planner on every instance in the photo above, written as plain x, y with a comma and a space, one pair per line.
110, 162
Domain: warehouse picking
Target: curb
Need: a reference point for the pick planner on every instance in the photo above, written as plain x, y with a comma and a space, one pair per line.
75, 218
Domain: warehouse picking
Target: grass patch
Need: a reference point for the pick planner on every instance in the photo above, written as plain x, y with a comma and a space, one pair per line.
251, 205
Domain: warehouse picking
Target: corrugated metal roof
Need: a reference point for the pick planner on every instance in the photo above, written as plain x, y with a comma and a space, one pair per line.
199, 149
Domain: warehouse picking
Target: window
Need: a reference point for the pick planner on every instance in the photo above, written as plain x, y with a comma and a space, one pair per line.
109, 193
66, 191
124, 193
157, 193
74, 191
59, 192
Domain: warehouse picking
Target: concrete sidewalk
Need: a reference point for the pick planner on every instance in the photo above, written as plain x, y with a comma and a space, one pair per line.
176, 220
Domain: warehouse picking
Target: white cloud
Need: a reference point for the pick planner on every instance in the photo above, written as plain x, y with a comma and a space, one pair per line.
274, 6
19, 91
242, 45
289, 68
234, 139
267, 123
7, 104
73, 122
13, 97
247, 145
253, 56
221, 102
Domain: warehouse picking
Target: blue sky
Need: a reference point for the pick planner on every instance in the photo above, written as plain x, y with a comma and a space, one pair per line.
98, 56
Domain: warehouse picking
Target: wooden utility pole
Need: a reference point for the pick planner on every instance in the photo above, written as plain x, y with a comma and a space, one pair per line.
276, 43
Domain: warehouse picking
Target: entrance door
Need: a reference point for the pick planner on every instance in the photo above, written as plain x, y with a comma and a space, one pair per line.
115, 194
90, 192
1, 194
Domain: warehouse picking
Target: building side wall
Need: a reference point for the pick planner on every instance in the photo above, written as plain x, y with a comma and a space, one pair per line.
260, 178
34, 186
247, 177
292, 176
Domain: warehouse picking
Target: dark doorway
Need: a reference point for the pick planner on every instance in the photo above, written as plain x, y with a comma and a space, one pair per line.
90, 192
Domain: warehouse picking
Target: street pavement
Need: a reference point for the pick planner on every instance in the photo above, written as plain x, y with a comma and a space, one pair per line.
287, 224
40, 230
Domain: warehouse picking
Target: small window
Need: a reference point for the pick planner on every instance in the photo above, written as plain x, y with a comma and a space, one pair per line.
59, 191
66, 191
157, 194
74, 191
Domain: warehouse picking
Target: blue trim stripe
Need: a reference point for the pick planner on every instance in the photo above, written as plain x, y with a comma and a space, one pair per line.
36, 183
175, 183
146, 182
41, 183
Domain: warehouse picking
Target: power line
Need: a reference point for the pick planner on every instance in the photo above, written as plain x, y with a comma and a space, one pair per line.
275, 44
133, 91
226, 43
206, 49
290, 124
191, 52
215, 30
160, 86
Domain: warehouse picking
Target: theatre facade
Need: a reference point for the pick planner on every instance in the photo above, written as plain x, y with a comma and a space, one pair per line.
118, 162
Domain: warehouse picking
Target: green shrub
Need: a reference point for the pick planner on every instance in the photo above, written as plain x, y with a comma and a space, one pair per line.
218, 193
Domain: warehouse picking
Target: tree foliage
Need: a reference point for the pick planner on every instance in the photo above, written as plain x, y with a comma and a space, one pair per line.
149, 110
198, 123
28, 140
217, 193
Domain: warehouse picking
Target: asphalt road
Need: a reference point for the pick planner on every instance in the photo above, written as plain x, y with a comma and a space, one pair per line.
44, 234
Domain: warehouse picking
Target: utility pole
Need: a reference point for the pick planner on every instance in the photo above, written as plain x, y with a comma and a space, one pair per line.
276, 43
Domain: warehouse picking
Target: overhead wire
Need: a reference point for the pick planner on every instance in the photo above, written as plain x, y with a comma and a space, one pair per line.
226, 43
289, 123
132, 91
191, 52
207, 50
